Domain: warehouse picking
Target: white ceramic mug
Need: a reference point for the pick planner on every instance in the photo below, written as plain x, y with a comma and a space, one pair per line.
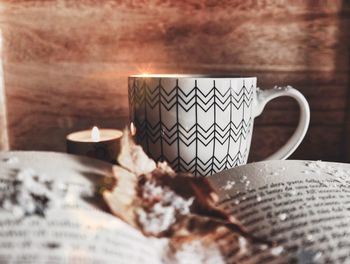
204, 124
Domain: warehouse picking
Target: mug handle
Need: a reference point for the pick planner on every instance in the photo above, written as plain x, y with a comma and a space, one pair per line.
264, 96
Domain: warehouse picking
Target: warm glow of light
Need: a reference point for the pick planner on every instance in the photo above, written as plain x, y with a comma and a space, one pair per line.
144, 74
144, 69
95, 134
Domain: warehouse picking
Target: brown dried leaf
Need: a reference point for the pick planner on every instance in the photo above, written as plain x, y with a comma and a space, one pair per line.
133, 158
126, 198
121, 199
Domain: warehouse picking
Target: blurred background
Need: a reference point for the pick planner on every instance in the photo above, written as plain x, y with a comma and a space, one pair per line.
64, 64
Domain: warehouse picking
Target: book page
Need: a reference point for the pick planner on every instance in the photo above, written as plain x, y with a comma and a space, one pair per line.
75, 232
76, 236
303, 206
79, 229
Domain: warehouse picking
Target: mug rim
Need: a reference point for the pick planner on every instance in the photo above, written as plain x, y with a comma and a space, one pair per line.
193, 76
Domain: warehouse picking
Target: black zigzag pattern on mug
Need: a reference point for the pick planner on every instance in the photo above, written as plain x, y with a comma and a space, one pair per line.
211, 166
196, 132
142, 97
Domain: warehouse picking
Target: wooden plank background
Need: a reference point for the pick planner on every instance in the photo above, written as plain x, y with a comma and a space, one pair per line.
66, 63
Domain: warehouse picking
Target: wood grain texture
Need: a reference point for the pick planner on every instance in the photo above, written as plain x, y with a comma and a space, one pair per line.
67, 62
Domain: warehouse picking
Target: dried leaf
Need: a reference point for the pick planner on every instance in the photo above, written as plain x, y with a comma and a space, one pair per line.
141, 198
133, 158
121, 199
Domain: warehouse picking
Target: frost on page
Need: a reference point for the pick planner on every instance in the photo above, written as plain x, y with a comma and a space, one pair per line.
302, 206
55, 223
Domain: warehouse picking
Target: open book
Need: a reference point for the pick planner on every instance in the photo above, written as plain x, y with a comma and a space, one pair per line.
303, 206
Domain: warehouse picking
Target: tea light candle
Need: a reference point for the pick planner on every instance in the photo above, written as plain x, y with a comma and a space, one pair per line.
103, 144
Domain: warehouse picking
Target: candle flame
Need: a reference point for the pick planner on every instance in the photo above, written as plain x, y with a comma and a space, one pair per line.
95, 134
